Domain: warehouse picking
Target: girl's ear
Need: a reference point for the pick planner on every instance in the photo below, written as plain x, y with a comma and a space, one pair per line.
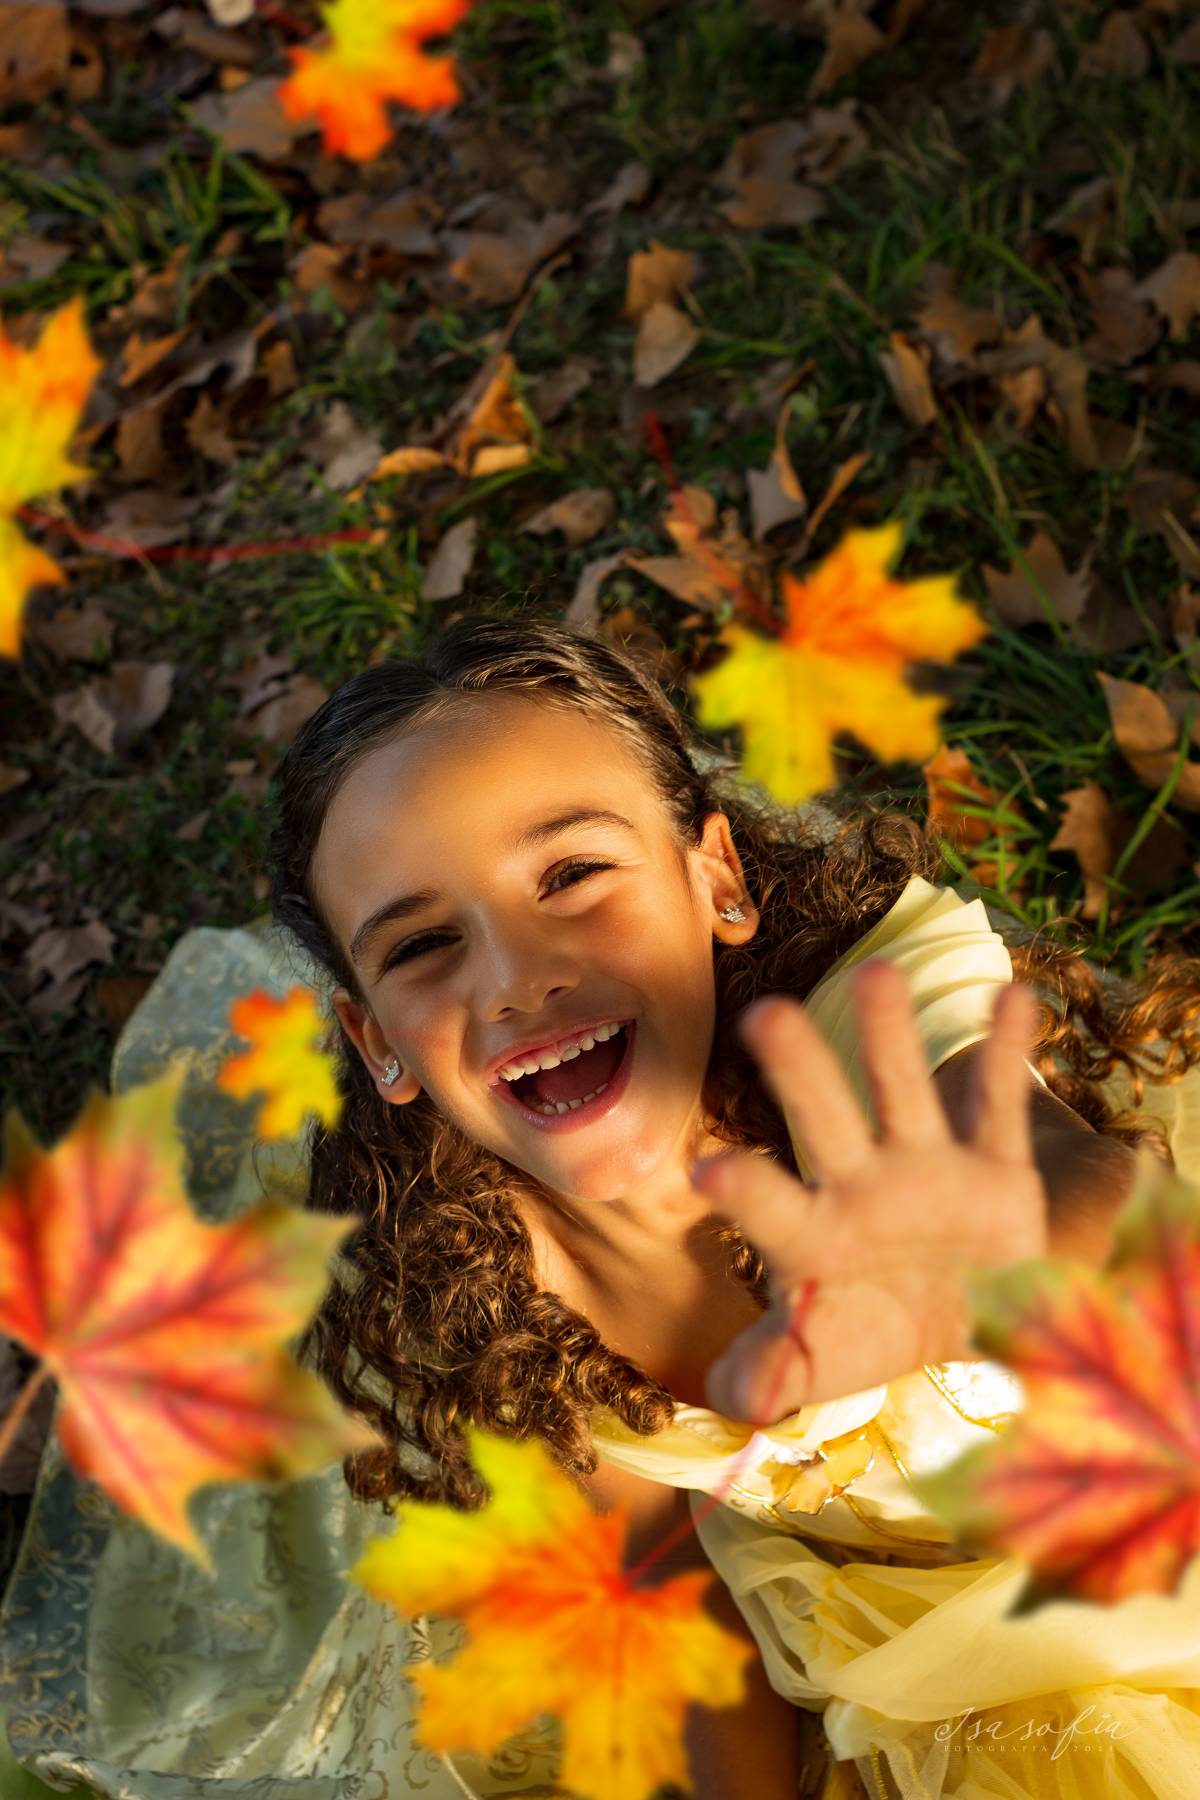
720, 869
363, 1031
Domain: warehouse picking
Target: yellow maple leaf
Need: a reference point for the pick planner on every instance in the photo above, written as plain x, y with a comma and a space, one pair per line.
838, 665
285, 1062
43, 392
375, 54
554, 1625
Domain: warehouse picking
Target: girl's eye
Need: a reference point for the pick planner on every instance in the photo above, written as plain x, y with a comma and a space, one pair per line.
567, 876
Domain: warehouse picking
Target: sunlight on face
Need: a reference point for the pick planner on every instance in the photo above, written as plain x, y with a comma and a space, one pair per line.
506, 954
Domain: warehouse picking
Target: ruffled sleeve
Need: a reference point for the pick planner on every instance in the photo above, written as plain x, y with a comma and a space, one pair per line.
955, 962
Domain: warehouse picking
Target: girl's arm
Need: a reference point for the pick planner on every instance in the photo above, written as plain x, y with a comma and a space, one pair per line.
733, 1751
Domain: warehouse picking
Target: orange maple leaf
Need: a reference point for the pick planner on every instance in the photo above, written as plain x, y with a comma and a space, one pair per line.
1097, 1481
554, 1625
375, 54
285, 1062
43, 392
166, 1334
838, 665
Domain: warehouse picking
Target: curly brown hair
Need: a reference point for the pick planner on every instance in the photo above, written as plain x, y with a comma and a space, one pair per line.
437, 1318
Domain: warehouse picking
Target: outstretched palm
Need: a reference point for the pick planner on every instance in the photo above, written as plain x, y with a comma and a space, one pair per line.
866, 1268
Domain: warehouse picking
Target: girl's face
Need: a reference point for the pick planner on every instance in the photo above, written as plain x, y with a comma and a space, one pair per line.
514, 935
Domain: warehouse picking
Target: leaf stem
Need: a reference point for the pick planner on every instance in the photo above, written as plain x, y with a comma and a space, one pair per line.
25, 1399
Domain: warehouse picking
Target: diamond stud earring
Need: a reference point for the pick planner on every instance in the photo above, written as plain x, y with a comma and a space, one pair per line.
734, 914
391, 1071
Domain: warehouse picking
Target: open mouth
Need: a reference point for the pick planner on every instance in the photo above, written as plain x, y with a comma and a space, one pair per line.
579, 1088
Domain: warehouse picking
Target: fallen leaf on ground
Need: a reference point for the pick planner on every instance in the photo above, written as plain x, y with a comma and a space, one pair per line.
35, 52
284, 1061
580, 515
907, 371
75, 633
1125, 324
451, 562
761, 168
583, 612
776, 494
43, 392
1064, 382
947, 771
1015, 594
162, 1330
654, 274
838, 665
1096, 831
1012, 57
666, 337
375, 54
1174, 291
553, 1625
712, 565
494, 266
952, 328
343, 450
64, 953
1096, 1483
250, 120
1148, 738
850, 38
115, 708
1120, 49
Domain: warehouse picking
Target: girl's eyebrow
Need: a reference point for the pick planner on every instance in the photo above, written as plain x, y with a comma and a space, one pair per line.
403, 905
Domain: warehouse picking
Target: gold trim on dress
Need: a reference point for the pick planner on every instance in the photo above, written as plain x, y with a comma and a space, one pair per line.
992, 1422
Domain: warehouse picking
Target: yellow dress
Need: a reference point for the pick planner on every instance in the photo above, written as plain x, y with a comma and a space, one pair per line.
125, 1668
859, 1607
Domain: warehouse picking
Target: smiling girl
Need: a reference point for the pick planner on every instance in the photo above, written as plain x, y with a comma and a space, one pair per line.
566, 962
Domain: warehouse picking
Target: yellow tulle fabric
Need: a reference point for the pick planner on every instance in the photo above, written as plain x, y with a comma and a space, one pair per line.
859, 1605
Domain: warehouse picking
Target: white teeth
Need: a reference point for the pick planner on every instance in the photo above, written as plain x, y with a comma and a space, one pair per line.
562, 1106
513, 1071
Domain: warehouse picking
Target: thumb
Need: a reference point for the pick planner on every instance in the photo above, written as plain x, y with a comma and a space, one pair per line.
766, 1373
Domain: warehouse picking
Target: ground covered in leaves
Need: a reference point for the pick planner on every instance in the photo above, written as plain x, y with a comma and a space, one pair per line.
902, 260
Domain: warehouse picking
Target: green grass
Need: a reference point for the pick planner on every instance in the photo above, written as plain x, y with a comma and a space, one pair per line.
947, 179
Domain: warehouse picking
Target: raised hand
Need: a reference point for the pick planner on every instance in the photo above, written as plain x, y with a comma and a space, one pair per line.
866, 1268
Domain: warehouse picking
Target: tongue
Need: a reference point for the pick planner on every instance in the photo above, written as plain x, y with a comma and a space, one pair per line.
582, 1075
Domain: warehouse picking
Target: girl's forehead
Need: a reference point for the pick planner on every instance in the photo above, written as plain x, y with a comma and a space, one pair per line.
465, 784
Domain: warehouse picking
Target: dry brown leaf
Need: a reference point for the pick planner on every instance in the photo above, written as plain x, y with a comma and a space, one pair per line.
711, 566
451, 562
403, 222
29, 258
35, 52
207, 39
320, 266
907, 371
946, 814
114, 709
1148, 738
1096, 831
1120, 49
580, 515
282, 714
141, 355
193, 830
1065, 380
666, 337
761, 169
250, 120
495, 266
148, 517
497, 459
496, 418
1185, 624
1086, 214
412, 459
343, 450
1174, 290
208, 430
279, 367
776, 494
1125, 324
140, 449
656, 274
74, 633
1015, 597
583, 613
629, 187
850, 38
1163, 500
550, 395
953, 329
1182, 375
11, 778
1186, 48
1012, 57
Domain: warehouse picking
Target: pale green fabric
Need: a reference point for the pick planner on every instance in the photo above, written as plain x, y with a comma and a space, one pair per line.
124, 1666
